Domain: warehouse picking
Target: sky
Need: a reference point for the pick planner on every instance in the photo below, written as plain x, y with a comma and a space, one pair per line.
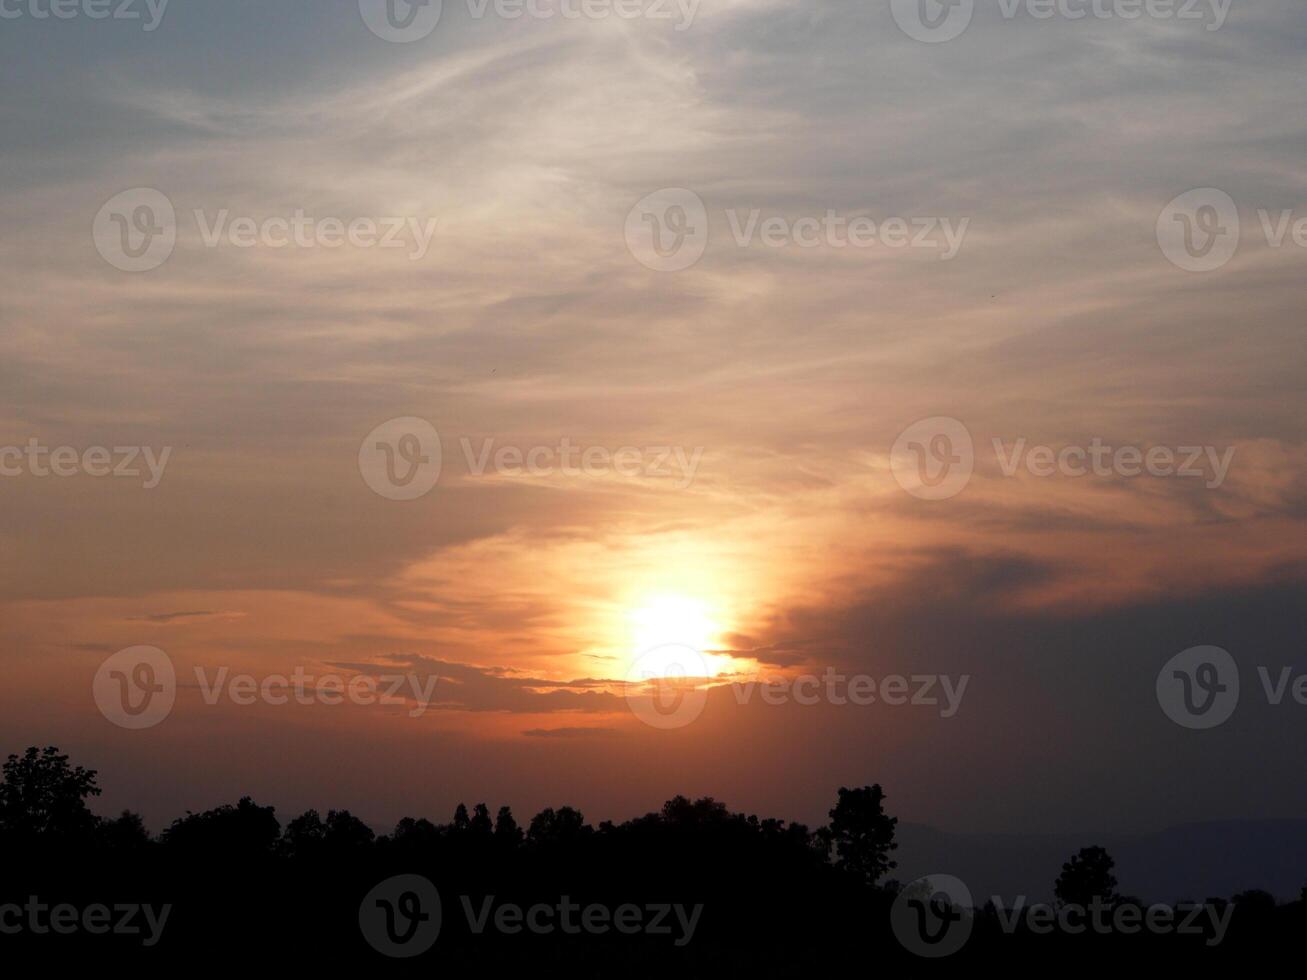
786, 272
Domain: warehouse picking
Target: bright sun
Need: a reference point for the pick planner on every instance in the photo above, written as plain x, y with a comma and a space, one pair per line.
666, 622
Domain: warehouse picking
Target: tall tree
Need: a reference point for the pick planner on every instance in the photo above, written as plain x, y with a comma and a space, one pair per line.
506, 829
41, 794
557, 826
1087, 877
481, 824
461, 820
862, 834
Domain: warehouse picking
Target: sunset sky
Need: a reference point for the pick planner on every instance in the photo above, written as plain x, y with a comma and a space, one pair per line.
774, 532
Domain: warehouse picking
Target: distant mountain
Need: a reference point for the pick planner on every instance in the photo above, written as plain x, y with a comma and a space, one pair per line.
1191, 861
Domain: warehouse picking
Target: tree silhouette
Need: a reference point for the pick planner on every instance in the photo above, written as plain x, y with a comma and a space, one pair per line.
246, 829
308, 834
506, 829
344, 830
863, 836
679, 811
461, 820
417, 833
125, 833
41, 794
305, 833
481, 824
557, 826
775, 899
1087, 877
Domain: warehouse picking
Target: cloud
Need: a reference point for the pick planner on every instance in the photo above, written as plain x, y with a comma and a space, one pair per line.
176, 617
1059, 321
570, 733
463, 687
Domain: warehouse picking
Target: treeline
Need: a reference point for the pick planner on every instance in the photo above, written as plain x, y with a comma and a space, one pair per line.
43, 806
734, 893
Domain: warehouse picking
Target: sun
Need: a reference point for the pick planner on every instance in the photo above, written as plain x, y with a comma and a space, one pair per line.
670, 619
661, 627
